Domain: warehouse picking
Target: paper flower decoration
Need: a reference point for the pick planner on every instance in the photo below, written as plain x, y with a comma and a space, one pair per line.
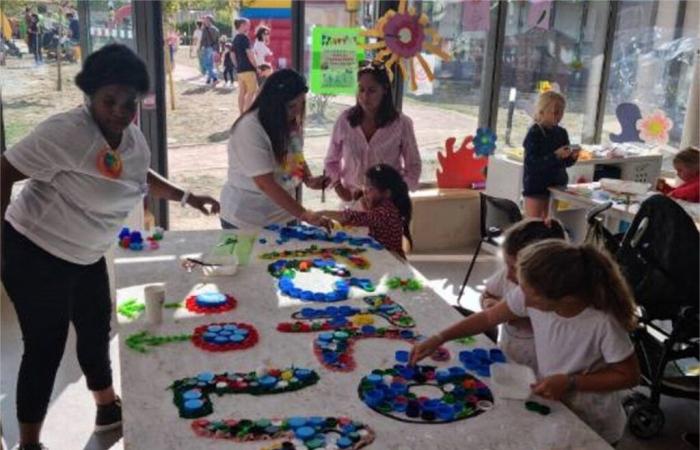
402, 35
484, 142
544, 86
654, 128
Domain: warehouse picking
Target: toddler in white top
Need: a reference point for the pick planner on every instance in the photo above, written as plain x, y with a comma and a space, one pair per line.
581, 310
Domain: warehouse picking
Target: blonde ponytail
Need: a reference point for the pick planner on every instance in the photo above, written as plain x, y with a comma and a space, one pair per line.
556, 269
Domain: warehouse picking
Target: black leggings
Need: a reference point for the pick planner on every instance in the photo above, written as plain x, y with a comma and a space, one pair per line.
228, 74
48, 293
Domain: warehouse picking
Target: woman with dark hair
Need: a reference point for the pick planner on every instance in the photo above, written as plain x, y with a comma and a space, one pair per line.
371, 132
265, 159
87, 168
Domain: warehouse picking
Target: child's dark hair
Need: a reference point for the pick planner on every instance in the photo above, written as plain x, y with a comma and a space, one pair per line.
112, 64
689, 157
260, 32
528, 231
387, 112
556, 269
384, 177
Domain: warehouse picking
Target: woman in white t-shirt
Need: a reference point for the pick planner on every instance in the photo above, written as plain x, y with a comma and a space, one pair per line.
87, 169
265, 159
581, 311
260, 49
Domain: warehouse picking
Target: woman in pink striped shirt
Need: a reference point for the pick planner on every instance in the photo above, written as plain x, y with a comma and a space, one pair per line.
371, 132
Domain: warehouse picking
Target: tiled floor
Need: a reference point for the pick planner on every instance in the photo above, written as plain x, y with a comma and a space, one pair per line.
71, 414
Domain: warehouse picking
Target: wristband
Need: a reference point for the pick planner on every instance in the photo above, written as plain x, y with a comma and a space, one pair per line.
185, 197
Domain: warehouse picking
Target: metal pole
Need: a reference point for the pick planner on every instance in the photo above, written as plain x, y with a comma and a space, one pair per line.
605, 76
491, 74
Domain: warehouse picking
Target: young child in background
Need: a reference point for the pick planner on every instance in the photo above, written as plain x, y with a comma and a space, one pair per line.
687, 165
387, 209
547, 154
581, 311
228, 63
516, 337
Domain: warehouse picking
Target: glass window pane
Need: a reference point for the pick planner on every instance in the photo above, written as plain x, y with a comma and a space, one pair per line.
652, 61
323, 110
557, 44
449, 105
35, 85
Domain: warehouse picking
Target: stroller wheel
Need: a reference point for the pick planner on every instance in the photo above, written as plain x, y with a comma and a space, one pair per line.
645, 420
633, 400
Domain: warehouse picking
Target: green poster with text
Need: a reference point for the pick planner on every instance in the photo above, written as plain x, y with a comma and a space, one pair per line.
335, 59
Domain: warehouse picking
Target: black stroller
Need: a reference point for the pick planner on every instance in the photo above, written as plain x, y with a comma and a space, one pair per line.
659, 257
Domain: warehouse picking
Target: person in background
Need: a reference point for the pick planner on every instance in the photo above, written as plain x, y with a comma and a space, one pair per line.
34, 33
245, 65
582, 312
265, 158
387, 209
73, 28
687, 165
209, 45
86, 169
371, 132
195, 46
173, 41
228, 64
547, 154
260, 49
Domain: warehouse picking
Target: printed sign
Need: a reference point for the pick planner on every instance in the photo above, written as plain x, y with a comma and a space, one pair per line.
334, 61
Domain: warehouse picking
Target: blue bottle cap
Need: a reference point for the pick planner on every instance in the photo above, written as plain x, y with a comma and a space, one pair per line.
236, 338
343, 442
406, 334
308, 312
267, 381
374, 378
221, 339
209, 336
481, 353
194, 404
457, 371
368, 329
341, 335
214, 328
407, 372
402, 356
443, 376
192, 394
302, 374
231, 327
296, 422
304, 433
497, 355
205, 376
330, 357
325, 336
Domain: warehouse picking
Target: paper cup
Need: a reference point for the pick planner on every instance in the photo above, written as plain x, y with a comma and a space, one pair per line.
154, 296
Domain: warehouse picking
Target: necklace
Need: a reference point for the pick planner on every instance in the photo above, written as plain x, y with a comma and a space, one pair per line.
109, 162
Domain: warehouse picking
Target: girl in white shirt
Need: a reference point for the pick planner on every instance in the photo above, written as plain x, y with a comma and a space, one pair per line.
581, 311
260, 49
87, 169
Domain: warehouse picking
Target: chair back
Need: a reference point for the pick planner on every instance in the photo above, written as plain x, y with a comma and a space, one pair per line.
497, 213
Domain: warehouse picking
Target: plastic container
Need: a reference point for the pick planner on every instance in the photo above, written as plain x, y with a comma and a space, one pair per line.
512, 381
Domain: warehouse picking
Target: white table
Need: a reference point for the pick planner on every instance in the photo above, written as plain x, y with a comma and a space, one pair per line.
151, 420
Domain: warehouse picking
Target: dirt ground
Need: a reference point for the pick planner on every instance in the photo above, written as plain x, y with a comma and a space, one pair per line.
197, 129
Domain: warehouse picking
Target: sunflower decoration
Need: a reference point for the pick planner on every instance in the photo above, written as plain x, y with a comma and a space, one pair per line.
401, 37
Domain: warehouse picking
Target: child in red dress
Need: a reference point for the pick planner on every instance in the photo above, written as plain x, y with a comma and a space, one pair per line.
387, 209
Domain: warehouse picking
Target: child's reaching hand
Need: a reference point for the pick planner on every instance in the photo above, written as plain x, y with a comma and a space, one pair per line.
563, 152
553, 387
424, 348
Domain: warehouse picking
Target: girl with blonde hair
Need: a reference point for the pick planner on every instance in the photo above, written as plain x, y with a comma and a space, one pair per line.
547, 154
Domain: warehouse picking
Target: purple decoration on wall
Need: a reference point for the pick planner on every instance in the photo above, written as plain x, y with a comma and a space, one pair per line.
627, 114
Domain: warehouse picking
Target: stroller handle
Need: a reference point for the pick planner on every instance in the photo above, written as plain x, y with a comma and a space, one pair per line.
593, 213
